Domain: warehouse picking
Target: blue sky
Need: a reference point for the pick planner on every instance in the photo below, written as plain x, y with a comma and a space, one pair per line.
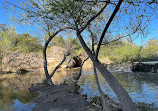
5, 19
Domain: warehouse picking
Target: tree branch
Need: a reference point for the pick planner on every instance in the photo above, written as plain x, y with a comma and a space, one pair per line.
121, 93
64, 58
107, 103
87, 49
79, 74
91, 19
92, 40
134, 31
107, 26
45, 48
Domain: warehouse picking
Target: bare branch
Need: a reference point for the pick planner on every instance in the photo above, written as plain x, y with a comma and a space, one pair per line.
91, 19
131, 33
64, 58
39, 5
107, 26
79, 74
45, 48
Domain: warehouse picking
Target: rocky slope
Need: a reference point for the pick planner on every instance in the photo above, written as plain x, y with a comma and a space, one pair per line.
18, 61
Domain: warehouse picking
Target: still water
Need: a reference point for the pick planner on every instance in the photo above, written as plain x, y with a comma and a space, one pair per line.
14, 95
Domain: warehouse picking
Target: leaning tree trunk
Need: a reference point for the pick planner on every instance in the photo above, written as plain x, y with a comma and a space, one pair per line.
105, 103
121, 93
48, 77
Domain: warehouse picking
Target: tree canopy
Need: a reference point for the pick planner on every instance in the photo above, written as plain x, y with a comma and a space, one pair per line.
11, 41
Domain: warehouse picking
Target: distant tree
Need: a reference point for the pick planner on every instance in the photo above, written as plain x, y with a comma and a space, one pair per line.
150, 50
123, 53
72, 42
152, 42
7, 35
27, 43
11, 41
59, 41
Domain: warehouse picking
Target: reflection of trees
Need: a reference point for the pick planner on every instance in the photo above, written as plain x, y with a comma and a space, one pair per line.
61, 75
6, 99
148, 78
128, 82
22, 82
15, 87
25, 96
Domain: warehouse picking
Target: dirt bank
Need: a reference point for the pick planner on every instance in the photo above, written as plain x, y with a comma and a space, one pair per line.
59, 98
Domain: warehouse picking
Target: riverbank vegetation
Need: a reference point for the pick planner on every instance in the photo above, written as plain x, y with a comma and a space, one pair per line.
11, 41
118, 52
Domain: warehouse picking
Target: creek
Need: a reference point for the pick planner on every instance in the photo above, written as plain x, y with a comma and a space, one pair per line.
14, 96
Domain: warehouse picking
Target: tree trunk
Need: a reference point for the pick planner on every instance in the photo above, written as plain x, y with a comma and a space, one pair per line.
64, 58
48, 77
106, 104
121, 93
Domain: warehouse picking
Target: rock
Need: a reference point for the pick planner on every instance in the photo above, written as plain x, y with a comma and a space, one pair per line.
141, 67
18, 61
56, 52
21, 71
124, 67
76, 61
137, 67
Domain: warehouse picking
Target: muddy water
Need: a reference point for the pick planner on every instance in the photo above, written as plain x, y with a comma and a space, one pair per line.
15, 96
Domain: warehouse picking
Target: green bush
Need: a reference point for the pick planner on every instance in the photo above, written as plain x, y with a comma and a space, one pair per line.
11, 41
124, 52
27, 43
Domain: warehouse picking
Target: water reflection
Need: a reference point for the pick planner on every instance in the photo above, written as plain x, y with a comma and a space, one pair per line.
15, 96
142, 88
15, 101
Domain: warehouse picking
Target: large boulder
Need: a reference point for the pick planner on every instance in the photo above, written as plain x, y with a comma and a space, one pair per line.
55, 55
18, 60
